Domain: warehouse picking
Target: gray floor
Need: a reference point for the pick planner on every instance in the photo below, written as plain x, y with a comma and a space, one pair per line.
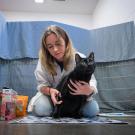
69, 129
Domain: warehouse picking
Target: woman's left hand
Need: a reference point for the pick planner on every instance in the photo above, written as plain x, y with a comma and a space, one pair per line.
81, 88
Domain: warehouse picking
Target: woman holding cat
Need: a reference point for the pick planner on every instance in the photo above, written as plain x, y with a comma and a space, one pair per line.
56, 59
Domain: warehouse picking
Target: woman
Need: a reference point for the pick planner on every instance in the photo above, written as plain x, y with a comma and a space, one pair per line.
56, 59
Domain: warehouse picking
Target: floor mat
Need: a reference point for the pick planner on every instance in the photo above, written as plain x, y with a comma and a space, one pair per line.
33, 119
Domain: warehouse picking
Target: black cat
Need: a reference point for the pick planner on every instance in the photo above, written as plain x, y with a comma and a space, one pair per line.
72, 104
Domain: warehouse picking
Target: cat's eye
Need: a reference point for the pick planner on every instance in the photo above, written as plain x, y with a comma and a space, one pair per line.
88, 60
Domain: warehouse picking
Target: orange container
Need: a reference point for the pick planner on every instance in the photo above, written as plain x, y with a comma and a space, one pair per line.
21, 105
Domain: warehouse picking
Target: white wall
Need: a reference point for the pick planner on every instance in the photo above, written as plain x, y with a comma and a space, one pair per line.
79, 20
110, 12
107, 12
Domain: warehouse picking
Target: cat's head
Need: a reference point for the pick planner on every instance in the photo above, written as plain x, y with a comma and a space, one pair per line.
85, 66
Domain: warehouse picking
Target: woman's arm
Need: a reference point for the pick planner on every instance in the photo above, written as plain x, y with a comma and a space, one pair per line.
43, 84
84, 88
41, 77
93, 83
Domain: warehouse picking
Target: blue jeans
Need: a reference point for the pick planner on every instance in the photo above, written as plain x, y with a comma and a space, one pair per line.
43, 107
90, 109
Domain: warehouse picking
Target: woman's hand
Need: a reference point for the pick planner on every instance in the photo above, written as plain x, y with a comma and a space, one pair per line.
54, 96
81, 88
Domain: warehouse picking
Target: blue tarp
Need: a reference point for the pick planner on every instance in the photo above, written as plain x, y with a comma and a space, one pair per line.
114, 43
20, 43
3, 37
23, 40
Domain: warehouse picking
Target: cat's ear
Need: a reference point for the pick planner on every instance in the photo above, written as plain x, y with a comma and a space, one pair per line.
91, 56
77, 58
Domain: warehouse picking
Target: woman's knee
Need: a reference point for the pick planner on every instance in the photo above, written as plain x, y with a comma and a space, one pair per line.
43, 106
90, 109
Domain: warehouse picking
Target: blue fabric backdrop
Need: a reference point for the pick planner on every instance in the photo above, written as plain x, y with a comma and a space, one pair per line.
3, 36
24, 38
113, 43
114, 48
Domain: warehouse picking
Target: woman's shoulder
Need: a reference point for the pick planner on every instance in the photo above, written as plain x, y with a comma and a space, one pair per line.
40, 67
81, 54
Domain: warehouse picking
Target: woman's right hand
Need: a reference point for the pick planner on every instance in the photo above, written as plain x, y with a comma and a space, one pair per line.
54, 93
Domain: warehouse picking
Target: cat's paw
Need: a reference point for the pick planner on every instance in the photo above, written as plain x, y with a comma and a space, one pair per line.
59, 97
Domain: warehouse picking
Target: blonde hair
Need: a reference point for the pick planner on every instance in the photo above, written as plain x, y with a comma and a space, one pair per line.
47, 60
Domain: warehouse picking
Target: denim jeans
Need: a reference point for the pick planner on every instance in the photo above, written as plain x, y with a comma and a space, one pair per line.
44, 107
90, 109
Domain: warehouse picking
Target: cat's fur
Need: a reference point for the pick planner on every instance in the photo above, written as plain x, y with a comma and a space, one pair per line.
72, 104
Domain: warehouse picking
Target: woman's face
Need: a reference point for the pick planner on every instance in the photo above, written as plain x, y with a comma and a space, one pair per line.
56, 46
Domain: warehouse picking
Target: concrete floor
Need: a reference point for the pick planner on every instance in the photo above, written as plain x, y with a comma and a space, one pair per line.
69, 129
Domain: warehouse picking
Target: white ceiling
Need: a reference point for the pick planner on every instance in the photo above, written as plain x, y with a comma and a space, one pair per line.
50, 6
